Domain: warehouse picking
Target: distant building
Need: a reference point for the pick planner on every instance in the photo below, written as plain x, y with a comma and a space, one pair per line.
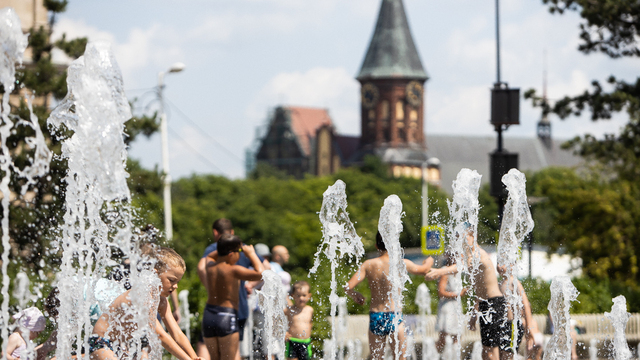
457, 151
304, 141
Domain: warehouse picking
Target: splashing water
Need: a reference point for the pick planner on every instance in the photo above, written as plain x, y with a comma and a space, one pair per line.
12, 46
463, 210
328, 349
339, 241
429, 350
517, 223
272, 302
341, 328
423, 300
619, 317
593, 349
390, 227
98, 216
185, 314
449, 352
476, 353
562, 294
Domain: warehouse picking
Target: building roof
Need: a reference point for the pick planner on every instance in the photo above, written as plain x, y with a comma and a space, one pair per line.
457, 152
392, 52
305, 122
347, 145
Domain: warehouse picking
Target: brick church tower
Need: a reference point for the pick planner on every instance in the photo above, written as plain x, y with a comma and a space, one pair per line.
392, 92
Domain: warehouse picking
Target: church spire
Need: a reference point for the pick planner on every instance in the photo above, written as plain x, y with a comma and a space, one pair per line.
392, 52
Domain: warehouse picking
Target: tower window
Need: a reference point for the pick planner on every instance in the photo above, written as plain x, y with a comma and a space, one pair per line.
413, 115
399, 110
384, 109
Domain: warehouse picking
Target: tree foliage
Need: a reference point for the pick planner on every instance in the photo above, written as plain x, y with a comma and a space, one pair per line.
595, 210
610, 27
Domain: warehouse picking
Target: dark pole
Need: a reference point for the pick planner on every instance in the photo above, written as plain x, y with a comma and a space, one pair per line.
497, 85
498, 40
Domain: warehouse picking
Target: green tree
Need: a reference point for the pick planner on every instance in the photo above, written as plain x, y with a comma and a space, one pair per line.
609, 27
596, 210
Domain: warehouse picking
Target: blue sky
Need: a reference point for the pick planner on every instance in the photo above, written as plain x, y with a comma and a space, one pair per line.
244, 57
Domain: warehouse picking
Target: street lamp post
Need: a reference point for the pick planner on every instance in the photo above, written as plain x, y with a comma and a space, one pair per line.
168, 221
431, 163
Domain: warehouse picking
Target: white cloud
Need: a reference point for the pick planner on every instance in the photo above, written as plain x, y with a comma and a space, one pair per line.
280, 17
332, 88
143, 47
464, 110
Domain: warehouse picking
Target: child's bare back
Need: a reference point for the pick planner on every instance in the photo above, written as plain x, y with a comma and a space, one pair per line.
220, 320
222, 284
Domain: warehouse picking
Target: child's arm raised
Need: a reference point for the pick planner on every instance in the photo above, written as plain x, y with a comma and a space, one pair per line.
415, 269
243, 273
353, 282
176, 342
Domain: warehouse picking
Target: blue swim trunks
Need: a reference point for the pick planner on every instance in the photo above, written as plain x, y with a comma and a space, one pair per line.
383, 323
98, 342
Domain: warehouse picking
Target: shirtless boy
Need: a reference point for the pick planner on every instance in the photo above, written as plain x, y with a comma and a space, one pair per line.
382, 309
489, 300
113, 332
300, 316
220, 320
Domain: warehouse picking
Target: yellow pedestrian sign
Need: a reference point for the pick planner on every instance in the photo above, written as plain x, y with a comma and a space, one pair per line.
432, 240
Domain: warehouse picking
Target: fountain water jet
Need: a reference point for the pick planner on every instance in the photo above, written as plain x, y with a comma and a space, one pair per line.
562, 294
463, 210
517, 223
339, 241
390, 227
13, 43
619, 317
98, 217
423, 300
272, 303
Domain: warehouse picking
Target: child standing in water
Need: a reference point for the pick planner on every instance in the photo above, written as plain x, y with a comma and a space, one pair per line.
300, 316
382, 309
30, 319
113, 332
220, 320
490, 303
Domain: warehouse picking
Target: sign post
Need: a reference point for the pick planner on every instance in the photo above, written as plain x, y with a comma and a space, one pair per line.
432, 239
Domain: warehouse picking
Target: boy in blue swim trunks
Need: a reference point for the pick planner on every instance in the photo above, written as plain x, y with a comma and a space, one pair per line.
381, 309
220, 319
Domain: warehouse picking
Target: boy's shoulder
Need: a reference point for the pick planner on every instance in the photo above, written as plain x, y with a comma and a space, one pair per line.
373, 261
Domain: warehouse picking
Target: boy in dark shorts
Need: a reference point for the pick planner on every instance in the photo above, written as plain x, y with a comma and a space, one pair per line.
300, 316
220, 320
490, 303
